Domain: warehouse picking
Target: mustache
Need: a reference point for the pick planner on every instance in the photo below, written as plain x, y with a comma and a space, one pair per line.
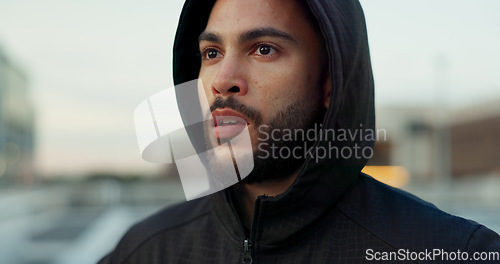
231, 103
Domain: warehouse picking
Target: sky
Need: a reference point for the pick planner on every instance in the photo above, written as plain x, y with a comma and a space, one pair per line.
90, 63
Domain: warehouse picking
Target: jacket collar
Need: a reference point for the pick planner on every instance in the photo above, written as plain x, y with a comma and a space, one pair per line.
278, 220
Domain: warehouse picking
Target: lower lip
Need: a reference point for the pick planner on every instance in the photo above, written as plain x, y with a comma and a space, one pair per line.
228, 131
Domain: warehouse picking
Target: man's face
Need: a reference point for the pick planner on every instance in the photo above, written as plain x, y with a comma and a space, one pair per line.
261, 60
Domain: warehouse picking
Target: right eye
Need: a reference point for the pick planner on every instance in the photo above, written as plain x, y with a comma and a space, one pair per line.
210, 53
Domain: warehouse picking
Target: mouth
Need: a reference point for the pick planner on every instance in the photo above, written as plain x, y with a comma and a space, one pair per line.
227, 123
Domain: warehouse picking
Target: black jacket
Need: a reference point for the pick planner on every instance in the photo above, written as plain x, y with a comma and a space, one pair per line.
370, 216
332, 213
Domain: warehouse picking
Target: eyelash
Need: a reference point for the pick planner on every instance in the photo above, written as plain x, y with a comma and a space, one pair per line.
204, 52
259, 45
253, 50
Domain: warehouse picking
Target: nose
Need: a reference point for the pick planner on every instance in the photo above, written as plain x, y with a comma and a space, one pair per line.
230, 78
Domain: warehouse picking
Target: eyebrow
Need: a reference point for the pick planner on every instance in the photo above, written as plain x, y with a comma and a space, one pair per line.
249, 35
266, 32
209, 36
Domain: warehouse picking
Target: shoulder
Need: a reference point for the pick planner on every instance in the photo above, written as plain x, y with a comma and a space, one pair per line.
403, 220
176, 216
165, 223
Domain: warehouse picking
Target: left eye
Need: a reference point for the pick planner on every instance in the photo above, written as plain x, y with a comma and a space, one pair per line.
265, 50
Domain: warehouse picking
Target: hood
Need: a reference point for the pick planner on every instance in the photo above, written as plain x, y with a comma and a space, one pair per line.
351, 111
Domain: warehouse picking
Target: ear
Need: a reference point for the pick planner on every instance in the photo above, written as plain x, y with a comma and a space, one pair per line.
327, 89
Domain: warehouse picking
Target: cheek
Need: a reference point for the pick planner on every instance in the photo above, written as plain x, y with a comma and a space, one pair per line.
277, 86
206, 81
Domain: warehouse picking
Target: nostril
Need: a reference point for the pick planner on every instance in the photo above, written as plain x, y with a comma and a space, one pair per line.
215, 91
234, 89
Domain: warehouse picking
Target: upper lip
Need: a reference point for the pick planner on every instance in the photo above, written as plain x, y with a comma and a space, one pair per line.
220, 114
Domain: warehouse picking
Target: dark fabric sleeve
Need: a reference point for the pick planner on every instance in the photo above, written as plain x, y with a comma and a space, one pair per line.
105, 260
484, 240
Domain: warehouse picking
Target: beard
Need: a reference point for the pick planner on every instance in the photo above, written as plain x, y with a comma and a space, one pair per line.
300, 115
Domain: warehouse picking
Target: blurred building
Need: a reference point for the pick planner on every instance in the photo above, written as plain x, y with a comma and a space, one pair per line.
16, 124
408, 142
432, 144
475, 140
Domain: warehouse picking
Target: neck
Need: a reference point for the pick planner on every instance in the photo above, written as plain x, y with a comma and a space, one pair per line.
245, 195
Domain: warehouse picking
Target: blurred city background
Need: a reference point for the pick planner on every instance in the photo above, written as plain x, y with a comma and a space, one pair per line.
71, 73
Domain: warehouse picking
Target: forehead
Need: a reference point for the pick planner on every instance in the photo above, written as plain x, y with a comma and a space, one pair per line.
230, 16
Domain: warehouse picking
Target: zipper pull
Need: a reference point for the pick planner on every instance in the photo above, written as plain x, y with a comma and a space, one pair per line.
247, 252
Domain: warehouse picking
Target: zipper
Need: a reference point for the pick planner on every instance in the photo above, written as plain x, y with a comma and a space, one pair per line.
247, 242
247, 251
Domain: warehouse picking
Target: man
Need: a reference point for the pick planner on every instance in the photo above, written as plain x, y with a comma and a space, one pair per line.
296, 65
